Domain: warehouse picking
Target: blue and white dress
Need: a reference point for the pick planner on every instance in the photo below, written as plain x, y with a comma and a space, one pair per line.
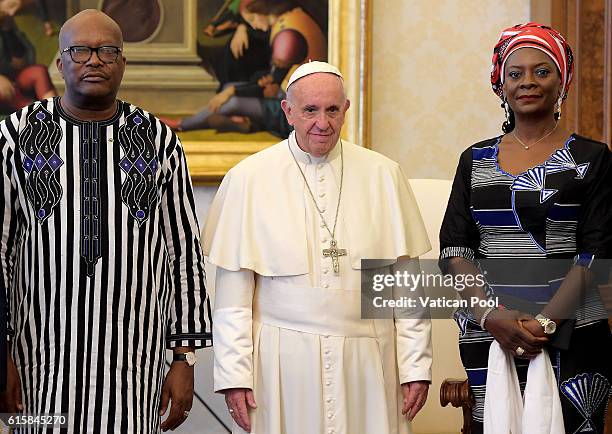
540, 222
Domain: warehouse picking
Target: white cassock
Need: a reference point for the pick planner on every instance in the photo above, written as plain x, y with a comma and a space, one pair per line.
284, 323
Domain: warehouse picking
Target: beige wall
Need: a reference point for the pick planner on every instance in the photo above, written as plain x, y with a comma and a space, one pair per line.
430, 83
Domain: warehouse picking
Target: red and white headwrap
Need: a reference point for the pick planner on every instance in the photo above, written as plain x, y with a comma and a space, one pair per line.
540, 37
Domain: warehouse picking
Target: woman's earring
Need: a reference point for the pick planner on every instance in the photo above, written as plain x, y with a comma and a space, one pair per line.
559, 102
505, 107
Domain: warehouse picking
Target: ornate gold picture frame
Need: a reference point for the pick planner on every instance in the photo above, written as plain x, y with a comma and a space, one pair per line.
349, 49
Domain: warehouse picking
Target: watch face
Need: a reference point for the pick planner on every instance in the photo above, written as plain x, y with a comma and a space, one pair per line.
550, 327
190, 358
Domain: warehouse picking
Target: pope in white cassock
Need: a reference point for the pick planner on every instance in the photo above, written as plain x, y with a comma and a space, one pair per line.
287, 232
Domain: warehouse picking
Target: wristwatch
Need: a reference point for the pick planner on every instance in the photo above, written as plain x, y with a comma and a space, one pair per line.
188, 357
547, 324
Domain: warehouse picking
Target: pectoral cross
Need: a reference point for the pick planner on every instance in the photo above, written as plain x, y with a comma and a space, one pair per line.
334, 252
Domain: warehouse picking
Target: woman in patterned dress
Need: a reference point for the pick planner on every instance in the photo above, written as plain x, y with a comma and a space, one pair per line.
533, 208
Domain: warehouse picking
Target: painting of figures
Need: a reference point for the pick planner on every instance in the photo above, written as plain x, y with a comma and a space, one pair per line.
27, 45
251, 47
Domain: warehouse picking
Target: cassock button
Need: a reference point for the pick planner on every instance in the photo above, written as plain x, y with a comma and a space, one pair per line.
325, 285
322, 194
320, 165
327, 351
325, 270
327, 366
324, 240
328, 383
329, 400
330, 415
331, 431
323, 209
321, 178
322, 225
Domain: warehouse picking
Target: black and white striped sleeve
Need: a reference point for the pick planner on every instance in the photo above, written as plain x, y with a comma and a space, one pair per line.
190, 310
9, 219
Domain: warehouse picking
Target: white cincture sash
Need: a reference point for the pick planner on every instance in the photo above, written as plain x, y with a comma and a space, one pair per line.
333, 312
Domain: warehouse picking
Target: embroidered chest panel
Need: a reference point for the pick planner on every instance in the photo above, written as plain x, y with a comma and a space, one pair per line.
140, 164
39, 143
135, 155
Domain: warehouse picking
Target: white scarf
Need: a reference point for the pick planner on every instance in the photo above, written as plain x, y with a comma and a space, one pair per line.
504, 410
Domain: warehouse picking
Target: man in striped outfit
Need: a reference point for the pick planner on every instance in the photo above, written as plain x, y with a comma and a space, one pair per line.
100, 253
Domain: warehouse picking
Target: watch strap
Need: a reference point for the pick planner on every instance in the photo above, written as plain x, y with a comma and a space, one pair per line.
188, 357
182, 357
